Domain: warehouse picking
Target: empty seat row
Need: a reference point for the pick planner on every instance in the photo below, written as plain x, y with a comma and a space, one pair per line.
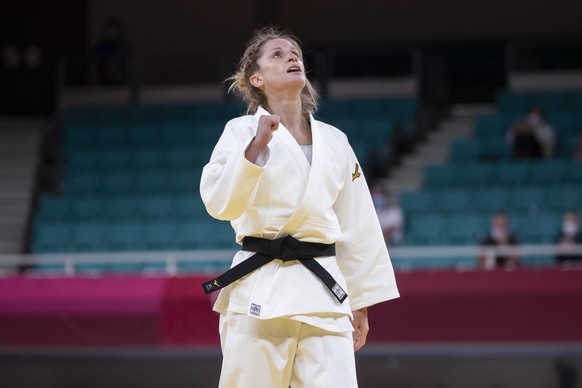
128, 181
365, 129
498, 125
397, 108
121, 207
488, 200
504, 174
112, 135
203, 233
491, 149
151, 113
470, 229
551, 101
137, 158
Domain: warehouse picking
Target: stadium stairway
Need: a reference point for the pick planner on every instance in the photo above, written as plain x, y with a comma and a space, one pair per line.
435, 149
20, 140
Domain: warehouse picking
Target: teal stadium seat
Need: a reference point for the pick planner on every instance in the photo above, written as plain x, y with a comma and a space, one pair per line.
424, 230
525, 200
150, 182
491, 126
440, 176
121, 182
114, 159
148, 158
452, 201
495, 149
78, 137
188, 206
52, 208
474, 175
546, 173
510, 173
144, 134
538, 229
88, 237
86, 208
79, 161
156, 207
85, 183
464, 229
159, 236
488, 200
124, 236
417, 202
186, 181
463, 151
112, 135
573, 174
51, 237
562, 199
121, 208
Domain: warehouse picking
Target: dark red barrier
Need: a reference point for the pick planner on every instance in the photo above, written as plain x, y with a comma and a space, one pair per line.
438, 306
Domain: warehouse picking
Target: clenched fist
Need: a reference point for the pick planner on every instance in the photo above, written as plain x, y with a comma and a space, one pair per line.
267, 125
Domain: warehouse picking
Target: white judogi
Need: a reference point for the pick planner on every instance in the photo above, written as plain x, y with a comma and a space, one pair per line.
325, 202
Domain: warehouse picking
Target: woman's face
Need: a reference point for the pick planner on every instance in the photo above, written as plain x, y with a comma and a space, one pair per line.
280, 67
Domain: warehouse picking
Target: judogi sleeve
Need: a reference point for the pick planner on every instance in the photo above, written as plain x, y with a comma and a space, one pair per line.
361, 251
229, 181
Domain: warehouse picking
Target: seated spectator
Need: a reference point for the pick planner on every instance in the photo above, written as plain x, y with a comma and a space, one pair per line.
524, 143
500, 236
569, 235
544, 131
390, 215
533, 137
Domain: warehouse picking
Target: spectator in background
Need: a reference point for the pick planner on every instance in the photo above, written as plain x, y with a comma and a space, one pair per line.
499, 236
533, 137
112, 55
570, 234
524, 143
544, 131
389, 214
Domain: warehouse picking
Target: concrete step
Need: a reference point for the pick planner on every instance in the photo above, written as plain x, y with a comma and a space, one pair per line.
18, 214
10, 247
10, 237
23, 197
16, 186
435, 150
25, 160
473, 110
13, 172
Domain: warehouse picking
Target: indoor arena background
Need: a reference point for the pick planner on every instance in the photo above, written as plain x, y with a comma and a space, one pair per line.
109, 109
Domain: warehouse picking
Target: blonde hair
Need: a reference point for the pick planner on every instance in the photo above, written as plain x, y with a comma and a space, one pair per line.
248, 65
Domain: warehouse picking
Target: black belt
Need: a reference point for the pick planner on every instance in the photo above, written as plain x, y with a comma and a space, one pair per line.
286, 249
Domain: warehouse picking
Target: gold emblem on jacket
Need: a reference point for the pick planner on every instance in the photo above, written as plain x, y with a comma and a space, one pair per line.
356, 173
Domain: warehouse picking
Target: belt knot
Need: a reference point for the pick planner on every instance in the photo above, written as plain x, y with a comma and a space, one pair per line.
283, 248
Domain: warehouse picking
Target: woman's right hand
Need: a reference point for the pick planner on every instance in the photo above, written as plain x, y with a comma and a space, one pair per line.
267, 125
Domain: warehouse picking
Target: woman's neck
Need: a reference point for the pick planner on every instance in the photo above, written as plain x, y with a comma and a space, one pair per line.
291, 114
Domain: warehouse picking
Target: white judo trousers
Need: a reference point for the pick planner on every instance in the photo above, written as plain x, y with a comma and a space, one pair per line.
280, 352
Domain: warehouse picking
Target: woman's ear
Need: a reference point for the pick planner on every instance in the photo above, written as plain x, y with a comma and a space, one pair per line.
256, 80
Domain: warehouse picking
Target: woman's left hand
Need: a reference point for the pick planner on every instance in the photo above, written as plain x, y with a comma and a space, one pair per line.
361, 328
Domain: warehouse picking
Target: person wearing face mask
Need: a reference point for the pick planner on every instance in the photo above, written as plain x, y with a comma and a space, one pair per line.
500, 236
389, 214
570, 234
